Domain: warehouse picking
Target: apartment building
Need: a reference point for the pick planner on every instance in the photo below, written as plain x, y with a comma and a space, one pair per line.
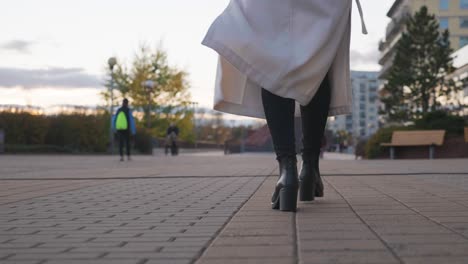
363, 121
452, 15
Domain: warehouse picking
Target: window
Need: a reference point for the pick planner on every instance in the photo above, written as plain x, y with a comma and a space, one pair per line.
463, 41
363, 98
444, 4
363, 132
362, 88
443, 23
464, 22
463, 4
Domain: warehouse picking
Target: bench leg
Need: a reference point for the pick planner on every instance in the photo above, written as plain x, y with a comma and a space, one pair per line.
392, 153
431, 152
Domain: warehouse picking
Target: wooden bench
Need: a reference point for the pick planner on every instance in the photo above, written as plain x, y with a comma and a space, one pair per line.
466, 134
416, 138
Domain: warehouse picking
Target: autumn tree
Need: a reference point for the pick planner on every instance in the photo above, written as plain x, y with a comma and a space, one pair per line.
156, 88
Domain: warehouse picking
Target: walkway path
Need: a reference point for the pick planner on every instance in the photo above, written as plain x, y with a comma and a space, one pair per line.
215, 209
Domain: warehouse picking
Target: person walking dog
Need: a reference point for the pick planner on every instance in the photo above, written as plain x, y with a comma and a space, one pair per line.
278, 58
124, 124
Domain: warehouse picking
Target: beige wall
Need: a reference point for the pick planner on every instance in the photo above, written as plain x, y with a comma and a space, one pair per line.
453, 14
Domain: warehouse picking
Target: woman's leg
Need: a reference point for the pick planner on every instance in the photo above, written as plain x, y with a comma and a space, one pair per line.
314, 119
279, 114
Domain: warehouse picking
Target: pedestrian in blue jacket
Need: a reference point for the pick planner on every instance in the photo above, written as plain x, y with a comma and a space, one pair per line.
123, 123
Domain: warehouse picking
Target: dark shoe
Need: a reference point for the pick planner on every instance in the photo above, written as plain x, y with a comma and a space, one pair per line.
319, 185
285, 196
308, 181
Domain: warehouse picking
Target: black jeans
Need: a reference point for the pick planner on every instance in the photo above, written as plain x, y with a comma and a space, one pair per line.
279, 114
124, 137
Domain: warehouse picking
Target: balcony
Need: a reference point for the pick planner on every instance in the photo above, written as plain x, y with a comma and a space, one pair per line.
398, 21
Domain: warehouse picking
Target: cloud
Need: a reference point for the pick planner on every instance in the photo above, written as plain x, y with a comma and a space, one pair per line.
48, 78
21, 46
370, 57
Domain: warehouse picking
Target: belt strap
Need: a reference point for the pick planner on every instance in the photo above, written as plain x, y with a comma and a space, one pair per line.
361, 14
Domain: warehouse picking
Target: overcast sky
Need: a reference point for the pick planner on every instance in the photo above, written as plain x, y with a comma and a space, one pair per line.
55, 51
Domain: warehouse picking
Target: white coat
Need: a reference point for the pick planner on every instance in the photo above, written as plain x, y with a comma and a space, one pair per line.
284, 46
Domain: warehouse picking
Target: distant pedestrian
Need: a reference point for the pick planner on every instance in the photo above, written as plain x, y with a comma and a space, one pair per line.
323, 146
124, 124
172, 134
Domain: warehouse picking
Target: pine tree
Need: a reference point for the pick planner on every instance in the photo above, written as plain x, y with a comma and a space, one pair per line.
417, 77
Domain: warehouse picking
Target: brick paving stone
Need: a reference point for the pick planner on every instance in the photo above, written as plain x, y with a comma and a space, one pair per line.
435, 260
169, 261
171, 219
249, 261
21, 261
97, 261
251, 252
242, 241
254, 241
129, 220
348, 257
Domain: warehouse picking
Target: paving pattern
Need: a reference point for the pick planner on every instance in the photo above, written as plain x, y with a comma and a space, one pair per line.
129, 221
209, 209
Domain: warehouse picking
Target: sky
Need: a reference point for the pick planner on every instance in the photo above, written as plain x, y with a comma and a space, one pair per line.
56, 51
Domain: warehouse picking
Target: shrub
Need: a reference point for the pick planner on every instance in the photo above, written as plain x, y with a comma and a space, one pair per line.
373, 149
64, 133
143, 141
441, 120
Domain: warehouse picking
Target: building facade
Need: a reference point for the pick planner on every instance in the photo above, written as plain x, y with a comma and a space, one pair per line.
452, 15
459, 101
363, 121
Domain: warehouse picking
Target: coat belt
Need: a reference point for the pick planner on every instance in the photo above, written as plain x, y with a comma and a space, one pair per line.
361, 14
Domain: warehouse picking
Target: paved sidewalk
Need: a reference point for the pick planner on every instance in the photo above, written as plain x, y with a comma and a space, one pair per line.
210, 209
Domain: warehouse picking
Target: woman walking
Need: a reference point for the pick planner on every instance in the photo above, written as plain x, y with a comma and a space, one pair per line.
278, 58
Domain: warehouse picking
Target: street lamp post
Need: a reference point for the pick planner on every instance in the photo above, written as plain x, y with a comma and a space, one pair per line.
194, 106
149, 86
111, 62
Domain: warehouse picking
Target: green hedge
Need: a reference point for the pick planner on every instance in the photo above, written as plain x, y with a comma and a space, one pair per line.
143, 142
62, 133
441, 120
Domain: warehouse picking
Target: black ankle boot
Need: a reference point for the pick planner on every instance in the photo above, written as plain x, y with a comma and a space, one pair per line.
311, 184
307, 180
319, 192
285, 196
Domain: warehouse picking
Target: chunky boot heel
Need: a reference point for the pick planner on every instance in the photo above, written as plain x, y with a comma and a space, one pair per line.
288, 199
285, 195
307, 181
319, 187
307, 190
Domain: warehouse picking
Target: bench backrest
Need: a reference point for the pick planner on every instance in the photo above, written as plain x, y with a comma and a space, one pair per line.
466, 134
418, 138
